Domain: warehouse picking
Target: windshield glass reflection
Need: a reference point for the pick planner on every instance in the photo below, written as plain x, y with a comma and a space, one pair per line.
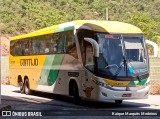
117, 52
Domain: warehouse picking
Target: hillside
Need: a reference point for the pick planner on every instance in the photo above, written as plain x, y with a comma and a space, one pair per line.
23, 16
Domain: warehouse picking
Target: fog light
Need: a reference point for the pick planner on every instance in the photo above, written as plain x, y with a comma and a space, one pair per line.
104, 94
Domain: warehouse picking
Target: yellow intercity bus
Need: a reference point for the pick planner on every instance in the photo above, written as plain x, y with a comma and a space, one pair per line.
91, 59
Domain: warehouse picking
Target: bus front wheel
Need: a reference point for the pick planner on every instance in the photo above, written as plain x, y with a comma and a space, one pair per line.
76, 94
27, 87
118, 101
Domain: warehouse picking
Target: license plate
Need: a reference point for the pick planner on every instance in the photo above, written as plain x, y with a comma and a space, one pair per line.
127, 95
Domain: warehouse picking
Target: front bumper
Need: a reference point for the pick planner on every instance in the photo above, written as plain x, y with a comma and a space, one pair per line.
107, 94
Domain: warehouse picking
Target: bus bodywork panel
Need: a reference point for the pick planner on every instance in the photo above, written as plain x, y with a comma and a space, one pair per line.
46, 73
52, 72
97, 88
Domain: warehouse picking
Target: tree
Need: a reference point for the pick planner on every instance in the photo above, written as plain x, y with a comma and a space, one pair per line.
23, 16
148, 25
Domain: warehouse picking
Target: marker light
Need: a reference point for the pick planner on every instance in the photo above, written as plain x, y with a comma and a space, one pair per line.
108, 36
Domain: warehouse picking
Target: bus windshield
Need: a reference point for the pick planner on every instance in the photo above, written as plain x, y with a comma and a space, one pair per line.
121, 55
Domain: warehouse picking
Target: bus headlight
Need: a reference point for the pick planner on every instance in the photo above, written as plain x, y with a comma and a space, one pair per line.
104, 85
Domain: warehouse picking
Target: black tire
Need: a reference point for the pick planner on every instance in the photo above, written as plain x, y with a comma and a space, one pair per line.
27, 87
118, 102
21, 86
76, 94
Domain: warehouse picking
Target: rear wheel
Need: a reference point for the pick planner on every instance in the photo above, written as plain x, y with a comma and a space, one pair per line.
118, 101
21, 86
27, 87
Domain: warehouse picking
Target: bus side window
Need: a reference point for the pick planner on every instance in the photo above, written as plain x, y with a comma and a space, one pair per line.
42, 48
27, 47
18, 49
43, 44
51, 45
23, 48
60, 46
55, 42
12, 48
36, 45
26, 50
70, 45
47, 49
47, 42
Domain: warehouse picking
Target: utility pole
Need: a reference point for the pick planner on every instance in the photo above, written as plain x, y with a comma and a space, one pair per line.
106, 14
0, 51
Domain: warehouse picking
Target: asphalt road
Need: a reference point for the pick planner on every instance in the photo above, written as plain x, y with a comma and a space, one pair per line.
63, 107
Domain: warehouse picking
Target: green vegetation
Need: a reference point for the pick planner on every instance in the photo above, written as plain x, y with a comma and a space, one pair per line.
23, 16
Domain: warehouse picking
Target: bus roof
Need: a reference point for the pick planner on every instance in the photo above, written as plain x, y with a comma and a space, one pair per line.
95, 25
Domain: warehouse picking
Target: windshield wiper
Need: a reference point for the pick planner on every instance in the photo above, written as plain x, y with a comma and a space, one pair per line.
120, 67
125, 62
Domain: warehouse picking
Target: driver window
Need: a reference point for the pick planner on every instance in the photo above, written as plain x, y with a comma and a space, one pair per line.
89, 59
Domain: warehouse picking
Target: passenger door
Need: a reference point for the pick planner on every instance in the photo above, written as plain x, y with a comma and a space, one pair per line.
89, 64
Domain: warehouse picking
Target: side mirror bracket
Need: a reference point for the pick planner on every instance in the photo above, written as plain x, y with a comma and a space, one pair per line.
94, 45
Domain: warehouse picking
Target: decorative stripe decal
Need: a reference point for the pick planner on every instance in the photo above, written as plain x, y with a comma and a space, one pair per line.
50, 69
53, 74
69, 28
68, 24
46, 69
59, 30
125, 83
142, 82
65, 29
116, 83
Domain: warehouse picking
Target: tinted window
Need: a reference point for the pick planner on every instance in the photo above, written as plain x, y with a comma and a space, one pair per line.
58, 43
70, 44
86, 48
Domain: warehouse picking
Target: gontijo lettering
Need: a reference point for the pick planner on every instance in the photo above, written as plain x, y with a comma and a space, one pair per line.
29, 62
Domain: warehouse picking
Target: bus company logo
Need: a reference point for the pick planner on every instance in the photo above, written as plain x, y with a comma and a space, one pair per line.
118, 84
29, 62
88, 91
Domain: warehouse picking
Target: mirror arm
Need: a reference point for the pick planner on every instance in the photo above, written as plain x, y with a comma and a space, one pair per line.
94, 45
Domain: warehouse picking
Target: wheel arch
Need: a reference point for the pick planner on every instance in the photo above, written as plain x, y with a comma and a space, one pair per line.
19, 79
71, 82
26, 77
